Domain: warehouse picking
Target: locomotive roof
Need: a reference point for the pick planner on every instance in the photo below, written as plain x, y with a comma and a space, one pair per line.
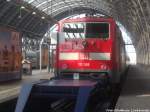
88, 19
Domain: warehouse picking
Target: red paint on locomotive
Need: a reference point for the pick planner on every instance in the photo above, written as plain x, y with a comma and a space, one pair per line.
91, 54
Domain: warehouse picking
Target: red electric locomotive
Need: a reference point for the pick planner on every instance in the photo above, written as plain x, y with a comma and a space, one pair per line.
92, 47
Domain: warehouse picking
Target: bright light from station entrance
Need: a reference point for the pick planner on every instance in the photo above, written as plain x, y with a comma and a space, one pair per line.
128, 44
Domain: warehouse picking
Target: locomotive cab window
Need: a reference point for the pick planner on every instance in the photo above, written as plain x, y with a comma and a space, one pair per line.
86, 30
74, 30
97, 30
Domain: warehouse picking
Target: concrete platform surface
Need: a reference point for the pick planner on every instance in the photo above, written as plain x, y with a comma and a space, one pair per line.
11, 89
135, 95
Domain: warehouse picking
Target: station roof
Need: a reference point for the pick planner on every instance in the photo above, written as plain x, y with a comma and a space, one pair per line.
133, 14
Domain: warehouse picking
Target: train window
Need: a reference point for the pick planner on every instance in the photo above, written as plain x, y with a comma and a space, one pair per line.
74, 30
97, 30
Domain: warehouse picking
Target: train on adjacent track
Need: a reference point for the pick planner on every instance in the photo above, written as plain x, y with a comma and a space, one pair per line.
89, 61
10, 54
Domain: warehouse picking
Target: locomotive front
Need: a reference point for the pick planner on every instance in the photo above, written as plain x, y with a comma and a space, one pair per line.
86, 51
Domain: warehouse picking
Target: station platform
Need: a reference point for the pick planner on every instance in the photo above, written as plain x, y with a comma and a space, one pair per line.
11, 89
135, 94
